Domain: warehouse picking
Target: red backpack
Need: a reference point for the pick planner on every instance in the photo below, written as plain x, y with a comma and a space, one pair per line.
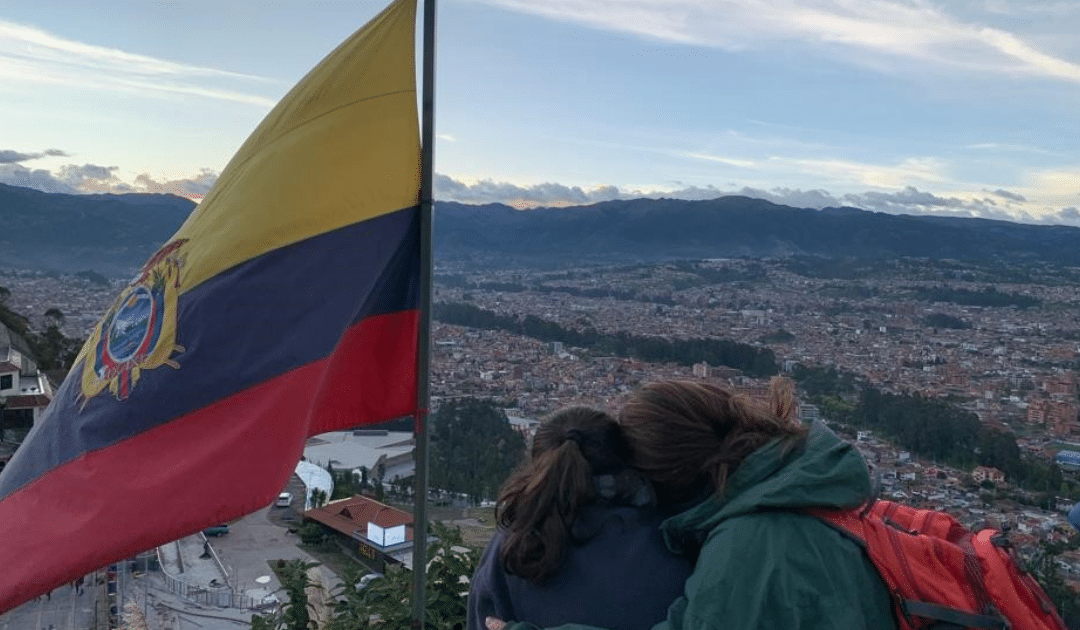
941, 575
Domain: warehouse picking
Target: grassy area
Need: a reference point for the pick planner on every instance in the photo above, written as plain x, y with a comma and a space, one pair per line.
333, 558
477, 523
329, 556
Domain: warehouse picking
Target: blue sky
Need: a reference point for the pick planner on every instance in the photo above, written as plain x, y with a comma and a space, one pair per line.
967, 108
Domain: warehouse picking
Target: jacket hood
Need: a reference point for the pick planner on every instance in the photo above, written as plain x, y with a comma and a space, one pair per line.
822, 471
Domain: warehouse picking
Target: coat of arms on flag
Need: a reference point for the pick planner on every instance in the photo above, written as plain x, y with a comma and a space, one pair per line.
139, 331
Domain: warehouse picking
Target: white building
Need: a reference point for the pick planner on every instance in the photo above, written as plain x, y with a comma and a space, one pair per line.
385, 454
24, 390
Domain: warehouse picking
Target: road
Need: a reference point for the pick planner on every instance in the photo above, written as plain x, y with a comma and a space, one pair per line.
63, 609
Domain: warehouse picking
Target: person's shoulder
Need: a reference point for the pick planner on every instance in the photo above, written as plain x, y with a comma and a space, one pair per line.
770, 519
771, 531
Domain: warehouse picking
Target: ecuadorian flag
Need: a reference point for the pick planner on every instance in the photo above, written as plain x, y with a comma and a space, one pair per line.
286, 306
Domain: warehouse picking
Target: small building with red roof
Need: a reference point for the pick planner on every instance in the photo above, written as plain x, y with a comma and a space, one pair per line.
379, 534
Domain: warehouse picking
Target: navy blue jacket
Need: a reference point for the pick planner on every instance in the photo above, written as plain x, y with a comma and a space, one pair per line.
623, 577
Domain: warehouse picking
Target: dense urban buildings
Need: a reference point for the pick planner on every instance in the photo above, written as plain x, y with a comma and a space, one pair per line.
1000, 342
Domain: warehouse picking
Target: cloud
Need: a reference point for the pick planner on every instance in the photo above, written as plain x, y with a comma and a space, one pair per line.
1045, 7
8, 156
1059, 183
1011, 196
1070, 214
920, 169
1018, 148
721, 159
193, 187
795, 197
880, 30
38, 179
92, 178
30, 55
909, 197
487, 191
552, 194
908, 200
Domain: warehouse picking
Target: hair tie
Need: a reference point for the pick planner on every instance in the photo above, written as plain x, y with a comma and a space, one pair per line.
575, 436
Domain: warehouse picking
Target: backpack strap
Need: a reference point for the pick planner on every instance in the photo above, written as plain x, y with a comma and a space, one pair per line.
958, 618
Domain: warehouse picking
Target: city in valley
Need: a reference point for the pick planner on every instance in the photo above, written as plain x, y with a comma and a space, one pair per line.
996, 342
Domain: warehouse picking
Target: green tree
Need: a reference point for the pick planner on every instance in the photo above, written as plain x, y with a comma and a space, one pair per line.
999, 449
296, 614
54, 317
311, 533
473, 447
344, 484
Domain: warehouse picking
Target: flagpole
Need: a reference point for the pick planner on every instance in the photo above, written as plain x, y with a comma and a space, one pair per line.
427, 268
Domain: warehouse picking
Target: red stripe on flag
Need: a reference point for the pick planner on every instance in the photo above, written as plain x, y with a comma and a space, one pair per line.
372, 375
209, 466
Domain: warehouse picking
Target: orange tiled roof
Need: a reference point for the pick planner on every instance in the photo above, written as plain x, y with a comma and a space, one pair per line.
350, 515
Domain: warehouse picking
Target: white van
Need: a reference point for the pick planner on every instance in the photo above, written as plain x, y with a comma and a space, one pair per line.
284, 499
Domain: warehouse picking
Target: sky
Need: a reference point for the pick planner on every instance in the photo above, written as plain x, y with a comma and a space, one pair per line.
948, 107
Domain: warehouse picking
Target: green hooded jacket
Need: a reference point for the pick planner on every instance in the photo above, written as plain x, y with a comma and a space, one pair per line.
763, 565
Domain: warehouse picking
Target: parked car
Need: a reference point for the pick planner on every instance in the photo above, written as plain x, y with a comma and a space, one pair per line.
216, 530
284, 499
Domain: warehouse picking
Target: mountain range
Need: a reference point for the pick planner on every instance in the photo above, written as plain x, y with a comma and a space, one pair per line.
110, 234
115, 234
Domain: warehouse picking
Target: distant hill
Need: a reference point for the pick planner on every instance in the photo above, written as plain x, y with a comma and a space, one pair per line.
115, 234
110, 234
658, 229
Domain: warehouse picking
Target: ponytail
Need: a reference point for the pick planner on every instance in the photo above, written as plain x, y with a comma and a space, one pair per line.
540, 500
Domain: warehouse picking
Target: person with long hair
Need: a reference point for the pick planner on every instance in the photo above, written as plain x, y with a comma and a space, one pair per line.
738, 472
578, 537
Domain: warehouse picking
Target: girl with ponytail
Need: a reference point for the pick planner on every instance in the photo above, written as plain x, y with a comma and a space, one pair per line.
578, 537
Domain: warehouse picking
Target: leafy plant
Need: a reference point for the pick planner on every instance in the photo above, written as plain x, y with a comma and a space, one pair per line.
386, 603
295, 614
312, 533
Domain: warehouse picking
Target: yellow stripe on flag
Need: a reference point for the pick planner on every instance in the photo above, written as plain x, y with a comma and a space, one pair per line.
341, 147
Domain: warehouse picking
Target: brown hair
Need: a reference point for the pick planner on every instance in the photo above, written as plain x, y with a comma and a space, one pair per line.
687, 435
539, 501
